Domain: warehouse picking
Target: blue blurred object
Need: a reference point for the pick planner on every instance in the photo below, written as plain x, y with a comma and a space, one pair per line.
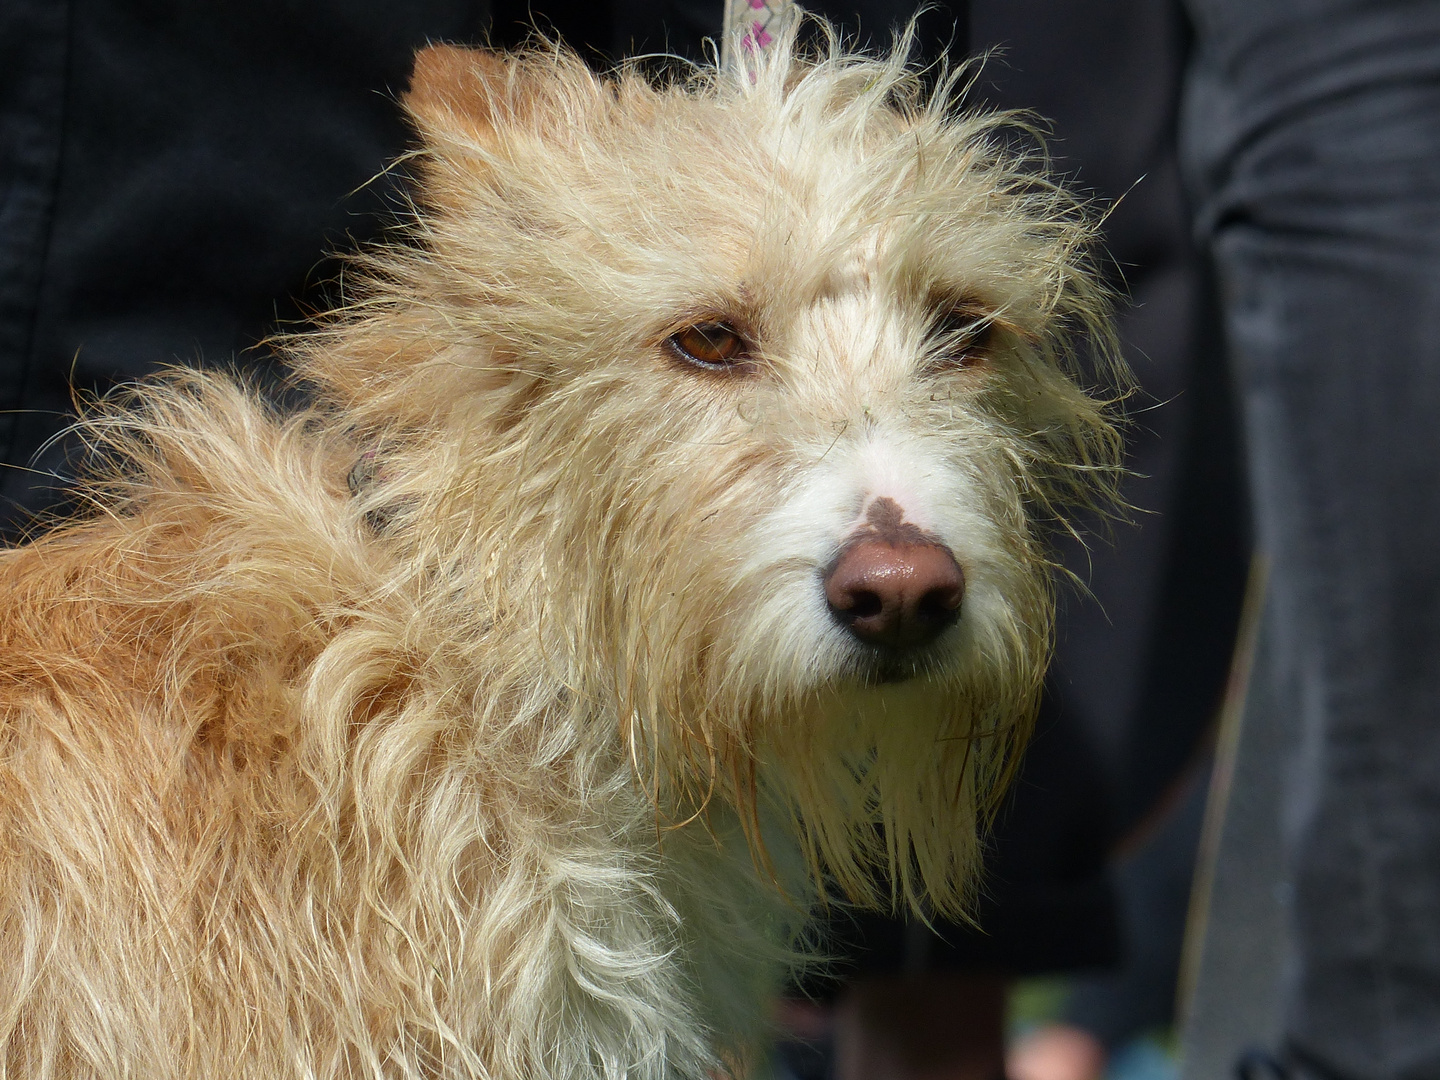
1143, 1058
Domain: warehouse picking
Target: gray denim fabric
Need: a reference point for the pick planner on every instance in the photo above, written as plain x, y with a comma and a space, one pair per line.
1312, 137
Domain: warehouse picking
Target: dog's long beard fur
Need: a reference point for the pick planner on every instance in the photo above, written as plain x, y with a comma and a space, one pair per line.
517, 755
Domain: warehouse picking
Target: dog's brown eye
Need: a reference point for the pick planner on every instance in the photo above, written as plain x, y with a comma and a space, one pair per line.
962, 337
711, 345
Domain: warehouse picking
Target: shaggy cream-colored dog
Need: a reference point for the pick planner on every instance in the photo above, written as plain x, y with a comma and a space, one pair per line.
665, 538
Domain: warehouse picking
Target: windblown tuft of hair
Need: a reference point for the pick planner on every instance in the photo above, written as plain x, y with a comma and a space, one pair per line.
430, 730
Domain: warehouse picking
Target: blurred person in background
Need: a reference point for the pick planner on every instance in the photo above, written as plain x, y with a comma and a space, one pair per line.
1312, 144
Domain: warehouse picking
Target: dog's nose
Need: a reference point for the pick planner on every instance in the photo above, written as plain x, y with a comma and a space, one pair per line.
895, 595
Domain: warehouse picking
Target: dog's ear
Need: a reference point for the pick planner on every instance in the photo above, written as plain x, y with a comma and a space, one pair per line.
457, 91
476, 94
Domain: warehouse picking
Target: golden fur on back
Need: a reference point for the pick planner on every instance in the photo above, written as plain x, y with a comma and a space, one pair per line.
516, 749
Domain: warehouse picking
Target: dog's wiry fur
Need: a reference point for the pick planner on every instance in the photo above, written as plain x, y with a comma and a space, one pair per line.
522, 759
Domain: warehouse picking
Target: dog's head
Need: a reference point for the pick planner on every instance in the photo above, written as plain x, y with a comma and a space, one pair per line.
740, 407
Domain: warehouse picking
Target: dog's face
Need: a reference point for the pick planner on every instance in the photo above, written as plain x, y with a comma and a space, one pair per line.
746, 398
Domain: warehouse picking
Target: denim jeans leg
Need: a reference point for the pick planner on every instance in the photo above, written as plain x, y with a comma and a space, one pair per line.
1313, 141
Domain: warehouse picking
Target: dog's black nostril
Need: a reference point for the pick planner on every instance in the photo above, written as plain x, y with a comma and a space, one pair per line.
864, 605
941, 605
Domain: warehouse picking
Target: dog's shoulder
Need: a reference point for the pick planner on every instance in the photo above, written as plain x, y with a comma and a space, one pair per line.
219, 533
